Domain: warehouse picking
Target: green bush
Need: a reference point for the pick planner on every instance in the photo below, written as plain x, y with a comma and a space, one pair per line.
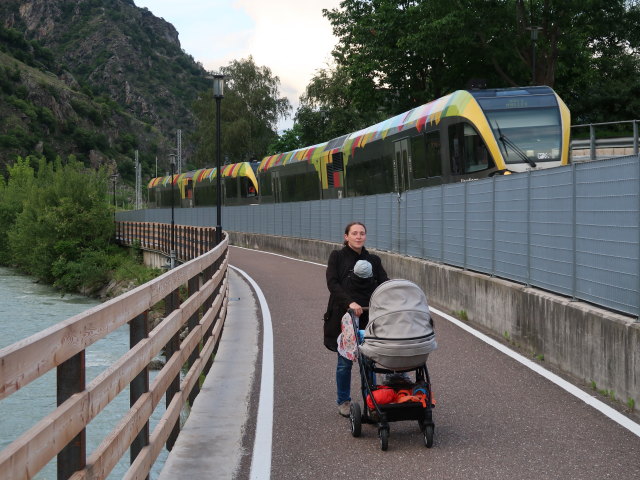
9, 141
46, 117
60, 215
89, 271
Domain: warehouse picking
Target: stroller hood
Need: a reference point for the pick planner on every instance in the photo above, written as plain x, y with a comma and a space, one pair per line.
400, 332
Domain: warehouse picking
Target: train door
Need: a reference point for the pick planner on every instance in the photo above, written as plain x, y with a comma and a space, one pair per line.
223, 193
402, 165
276, 187
188, 192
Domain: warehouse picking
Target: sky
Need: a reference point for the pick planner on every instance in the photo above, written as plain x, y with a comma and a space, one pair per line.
291, 37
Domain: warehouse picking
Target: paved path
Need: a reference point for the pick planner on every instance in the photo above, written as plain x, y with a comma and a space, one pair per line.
495, 418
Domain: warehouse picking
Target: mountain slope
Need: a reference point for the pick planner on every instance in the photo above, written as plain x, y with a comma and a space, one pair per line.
100, 78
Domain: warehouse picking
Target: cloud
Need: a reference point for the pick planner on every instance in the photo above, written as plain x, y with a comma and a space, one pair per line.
291, 37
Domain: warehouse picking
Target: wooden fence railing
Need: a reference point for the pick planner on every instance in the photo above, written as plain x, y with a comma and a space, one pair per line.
195, 297
189, 242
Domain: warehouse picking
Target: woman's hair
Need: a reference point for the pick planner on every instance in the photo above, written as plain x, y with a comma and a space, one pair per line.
348, 227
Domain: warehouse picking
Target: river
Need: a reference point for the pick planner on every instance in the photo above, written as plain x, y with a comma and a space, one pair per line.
26, 308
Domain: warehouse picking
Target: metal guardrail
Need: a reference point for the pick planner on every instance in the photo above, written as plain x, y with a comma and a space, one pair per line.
62, 433
593, 144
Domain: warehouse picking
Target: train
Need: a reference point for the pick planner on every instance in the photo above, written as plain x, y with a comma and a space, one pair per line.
463, 136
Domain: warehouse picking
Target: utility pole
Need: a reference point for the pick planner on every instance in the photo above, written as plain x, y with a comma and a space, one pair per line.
138, 182
172, 251
179, 150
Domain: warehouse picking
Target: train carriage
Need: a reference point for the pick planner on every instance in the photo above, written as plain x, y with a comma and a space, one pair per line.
198, 188
463, 136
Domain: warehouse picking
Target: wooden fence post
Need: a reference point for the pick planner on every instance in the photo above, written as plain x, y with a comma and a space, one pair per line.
172, 303
70, 379
138, 331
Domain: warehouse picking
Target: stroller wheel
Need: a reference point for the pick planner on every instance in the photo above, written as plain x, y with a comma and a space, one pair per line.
428, 435
383, 433
355, 418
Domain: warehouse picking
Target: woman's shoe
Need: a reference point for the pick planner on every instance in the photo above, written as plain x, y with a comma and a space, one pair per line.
344, 408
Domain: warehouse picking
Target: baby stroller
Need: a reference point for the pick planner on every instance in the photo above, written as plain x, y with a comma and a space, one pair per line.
397, 339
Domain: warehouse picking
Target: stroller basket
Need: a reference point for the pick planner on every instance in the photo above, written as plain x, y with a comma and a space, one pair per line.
399, 335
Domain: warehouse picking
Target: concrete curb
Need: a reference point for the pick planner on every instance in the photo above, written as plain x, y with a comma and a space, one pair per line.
210, 442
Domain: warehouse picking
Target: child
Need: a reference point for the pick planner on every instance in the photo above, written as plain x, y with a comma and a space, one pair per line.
362, 285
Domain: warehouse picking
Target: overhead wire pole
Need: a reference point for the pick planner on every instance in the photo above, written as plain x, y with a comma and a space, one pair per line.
172, 251
179, 149
138, 182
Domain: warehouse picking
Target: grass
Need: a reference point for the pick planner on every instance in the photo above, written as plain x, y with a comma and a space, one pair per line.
461, 314
631, 403
603, 391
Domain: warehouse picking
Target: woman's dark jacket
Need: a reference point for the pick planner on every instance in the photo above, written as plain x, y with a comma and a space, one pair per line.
343, 289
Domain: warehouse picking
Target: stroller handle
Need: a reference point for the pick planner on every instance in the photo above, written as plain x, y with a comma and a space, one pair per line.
364, 309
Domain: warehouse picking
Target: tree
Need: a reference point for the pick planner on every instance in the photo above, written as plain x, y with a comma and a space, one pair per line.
327, 109
13, 195
249, 114
289, 140
402, 53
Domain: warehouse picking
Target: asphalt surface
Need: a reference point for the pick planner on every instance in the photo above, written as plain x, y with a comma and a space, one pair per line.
494, 419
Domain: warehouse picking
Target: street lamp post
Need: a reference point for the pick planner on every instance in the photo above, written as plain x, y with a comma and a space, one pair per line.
218, 94
172, 252
534, 39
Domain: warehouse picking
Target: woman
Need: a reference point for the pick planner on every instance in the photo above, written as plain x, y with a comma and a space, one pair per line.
343, 297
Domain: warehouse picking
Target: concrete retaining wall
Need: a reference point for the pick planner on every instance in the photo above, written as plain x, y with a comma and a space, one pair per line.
154, 259
588, 343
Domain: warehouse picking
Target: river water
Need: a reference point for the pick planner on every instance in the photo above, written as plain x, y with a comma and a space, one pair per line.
27, 308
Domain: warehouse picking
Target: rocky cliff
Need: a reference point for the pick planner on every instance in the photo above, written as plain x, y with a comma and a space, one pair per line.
112, 75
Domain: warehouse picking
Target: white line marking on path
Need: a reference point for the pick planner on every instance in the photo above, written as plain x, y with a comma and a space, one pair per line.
572, 389
262, 446
605, 409
283, 256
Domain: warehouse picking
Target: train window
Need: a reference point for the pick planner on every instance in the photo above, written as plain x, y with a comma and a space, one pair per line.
432, 155
299, 187
265, 183
536, 133
418, 157
230, 187
467, 150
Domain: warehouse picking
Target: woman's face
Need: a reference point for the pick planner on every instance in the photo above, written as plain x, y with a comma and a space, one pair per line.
356, 237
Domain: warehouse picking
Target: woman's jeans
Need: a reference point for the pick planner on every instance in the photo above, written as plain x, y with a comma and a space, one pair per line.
343, 379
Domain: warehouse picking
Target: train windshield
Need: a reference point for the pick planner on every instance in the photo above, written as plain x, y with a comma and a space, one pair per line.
526, 124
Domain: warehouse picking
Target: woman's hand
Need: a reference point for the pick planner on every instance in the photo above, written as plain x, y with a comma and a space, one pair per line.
357, 309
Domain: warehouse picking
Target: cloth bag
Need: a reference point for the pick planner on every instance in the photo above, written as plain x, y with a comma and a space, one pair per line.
347, 343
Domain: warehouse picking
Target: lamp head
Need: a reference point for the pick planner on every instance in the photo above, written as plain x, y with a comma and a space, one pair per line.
218, 85
534, 32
